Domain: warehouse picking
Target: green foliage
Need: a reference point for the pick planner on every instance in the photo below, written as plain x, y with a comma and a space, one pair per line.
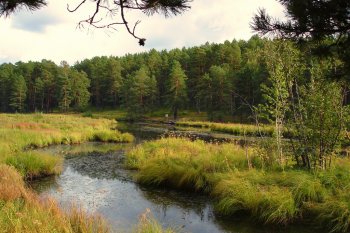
79, 84
64, 94
299, 105
141, 92
177, 88
109, 82
18, 93
316, 21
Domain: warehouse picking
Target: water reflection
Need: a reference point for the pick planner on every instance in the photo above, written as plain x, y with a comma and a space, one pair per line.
98, 182
93, 176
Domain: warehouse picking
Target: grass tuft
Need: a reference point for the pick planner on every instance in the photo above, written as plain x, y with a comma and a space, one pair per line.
270, 196
34, 164
147, 224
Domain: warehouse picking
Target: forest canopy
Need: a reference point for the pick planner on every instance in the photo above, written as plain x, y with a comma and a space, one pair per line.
221, 79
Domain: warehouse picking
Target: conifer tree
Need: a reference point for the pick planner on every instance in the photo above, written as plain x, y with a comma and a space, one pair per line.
177, 88
64, 93
80, 89
18, 93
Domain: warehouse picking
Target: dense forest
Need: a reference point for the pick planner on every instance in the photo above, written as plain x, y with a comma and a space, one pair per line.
221, 79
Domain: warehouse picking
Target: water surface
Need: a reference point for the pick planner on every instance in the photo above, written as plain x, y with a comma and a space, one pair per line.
93, 177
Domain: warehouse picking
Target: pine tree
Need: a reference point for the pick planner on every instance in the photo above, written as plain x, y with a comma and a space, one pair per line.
64, 92
141, 92
80, 89
18, 93
114, 81
177, 88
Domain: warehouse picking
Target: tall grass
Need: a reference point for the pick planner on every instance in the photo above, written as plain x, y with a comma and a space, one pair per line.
22, 211
270, 196
147, 224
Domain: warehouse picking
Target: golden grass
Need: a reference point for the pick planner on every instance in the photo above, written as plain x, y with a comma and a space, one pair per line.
22, 211
147, 224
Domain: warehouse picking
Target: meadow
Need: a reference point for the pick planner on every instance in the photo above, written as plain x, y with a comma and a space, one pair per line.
20, 132
241, 183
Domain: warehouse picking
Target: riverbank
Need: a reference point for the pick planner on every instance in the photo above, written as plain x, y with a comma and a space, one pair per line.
267, 194
20, 209
190, 119
231, 128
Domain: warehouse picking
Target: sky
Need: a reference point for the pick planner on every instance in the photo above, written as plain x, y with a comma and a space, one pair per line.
51, 33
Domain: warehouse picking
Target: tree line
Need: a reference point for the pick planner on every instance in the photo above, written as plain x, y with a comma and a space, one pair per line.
220, 79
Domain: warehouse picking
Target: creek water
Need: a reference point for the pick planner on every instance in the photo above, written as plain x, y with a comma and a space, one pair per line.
93, 177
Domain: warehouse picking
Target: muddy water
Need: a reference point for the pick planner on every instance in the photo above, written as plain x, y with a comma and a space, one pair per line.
93, 177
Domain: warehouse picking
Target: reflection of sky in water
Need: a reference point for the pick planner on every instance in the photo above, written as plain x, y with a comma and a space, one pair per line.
97, 185
97, 182
90, 193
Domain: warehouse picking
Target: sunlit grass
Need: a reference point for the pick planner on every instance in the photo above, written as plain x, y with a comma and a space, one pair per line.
231, 128
22, 211
147, 224
270, 196
34, 164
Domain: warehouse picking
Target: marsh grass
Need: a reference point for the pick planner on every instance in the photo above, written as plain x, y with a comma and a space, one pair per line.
178, 162
148, 224
20, 132
231, 128
34, 164
20, 209
270, 196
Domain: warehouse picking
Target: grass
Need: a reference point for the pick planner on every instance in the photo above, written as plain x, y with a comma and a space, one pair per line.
155, 115
33, 164
106, 114
147, 224
20, 209
268, 196
230, 128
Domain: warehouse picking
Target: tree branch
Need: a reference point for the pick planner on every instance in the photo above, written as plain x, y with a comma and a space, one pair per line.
148, 7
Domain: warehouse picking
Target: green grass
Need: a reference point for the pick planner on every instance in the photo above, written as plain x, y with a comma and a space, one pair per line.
20, 131
230, 128
33, 164
270, 196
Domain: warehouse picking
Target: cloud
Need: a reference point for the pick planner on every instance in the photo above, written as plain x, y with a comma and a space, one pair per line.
37, 21
56, 38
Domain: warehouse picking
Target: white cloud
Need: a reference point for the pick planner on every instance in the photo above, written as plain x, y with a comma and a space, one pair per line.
60, 40
35, 21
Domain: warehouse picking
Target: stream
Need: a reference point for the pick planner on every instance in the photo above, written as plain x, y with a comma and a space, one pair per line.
93, 177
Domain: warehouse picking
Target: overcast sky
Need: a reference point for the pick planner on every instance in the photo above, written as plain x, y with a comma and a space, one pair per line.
51, 33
